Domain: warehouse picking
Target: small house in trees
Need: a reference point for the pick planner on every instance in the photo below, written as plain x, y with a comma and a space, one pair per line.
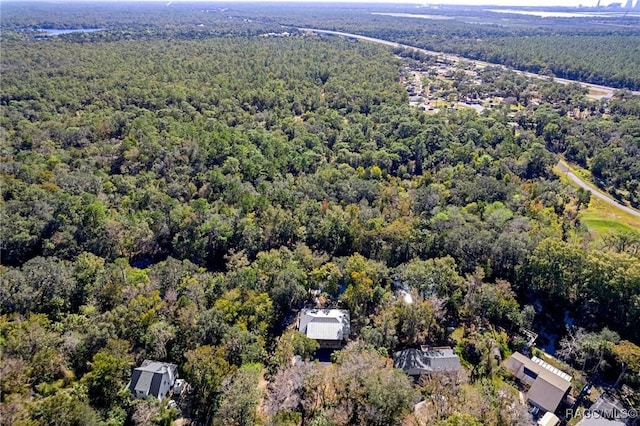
547, 385
426, 360
329, 327
153, 378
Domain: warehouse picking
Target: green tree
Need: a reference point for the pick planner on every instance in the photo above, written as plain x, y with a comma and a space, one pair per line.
438, 277
292, 343
368, 391
205, 369
65, 408
240, 398
557, 270
108, 373
363, 277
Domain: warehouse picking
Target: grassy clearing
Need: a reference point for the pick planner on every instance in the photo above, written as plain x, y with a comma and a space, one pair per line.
600, 218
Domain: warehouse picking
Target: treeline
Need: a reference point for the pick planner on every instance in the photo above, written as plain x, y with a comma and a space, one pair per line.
122, 21
608, 60
236, 166
583, 49
179, 200
605, 60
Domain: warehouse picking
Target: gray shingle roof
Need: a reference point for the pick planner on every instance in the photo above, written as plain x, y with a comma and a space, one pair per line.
147, 378
547, 395
141, 381
548, 385
417, 361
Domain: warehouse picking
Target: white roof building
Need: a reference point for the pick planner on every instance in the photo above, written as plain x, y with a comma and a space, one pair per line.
330, 327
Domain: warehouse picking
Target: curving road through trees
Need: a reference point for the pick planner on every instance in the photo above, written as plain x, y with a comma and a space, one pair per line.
454, 58
596, 192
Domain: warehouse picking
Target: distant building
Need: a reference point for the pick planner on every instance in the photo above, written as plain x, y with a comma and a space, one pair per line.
426, 360
547, 386
153, 378
330, 327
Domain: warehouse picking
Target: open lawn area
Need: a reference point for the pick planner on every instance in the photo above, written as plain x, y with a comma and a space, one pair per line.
601, 218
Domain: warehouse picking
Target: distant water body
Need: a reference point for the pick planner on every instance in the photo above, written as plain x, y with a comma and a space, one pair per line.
54, 32
550, 14
411, 15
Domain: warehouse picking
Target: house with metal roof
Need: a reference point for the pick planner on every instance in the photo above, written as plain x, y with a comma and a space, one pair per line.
426, 360
547, 385
153, 378
330, 327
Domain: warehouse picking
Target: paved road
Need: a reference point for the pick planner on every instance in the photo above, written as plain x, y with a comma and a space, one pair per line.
595, 192
455, 58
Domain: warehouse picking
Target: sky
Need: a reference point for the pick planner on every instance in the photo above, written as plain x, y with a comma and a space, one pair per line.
564, 3
535, 3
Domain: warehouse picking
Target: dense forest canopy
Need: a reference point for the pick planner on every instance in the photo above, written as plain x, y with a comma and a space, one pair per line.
180, 184
590, 49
